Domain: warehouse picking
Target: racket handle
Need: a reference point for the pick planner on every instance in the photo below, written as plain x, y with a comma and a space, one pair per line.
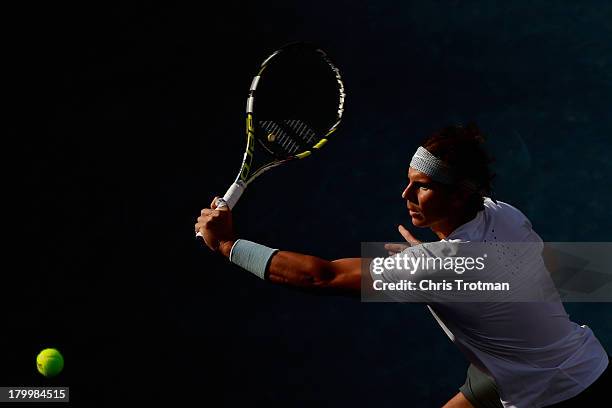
230, 198
232, 195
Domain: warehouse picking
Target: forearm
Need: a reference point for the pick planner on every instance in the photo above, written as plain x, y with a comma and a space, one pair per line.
292, 268
295, 269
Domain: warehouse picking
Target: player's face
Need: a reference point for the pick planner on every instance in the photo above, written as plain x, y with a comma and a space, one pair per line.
429, 202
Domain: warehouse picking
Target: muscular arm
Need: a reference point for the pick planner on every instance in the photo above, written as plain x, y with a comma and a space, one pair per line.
288, 268
310, 272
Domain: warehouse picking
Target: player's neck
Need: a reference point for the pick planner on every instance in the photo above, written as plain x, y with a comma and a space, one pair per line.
446, 227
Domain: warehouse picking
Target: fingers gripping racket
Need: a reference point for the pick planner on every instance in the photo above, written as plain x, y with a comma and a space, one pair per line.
295, 103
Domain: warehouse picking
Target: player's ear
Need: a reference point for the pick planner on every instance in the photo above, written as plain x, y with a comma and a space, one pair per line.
459, 197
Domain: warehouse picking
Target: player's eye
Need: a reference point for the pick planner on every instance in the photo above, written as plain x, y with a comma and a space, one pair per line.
422, 186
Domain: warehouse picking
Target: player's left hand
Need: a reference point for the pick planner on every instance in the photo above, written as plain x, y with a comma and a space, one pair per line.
394, 248
407, 235
216, 226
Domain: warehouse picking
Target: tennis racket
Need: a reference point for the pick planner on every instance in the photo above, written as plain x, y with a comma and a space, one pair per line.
295, 102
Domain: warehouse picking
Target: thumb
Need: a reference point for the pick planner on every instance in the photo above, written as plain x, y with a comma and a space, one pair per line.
213, 204
407, 235
219, 204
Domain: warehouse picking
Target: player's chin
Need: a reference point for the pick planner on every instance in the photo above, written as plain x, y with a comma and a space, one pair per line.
418, 220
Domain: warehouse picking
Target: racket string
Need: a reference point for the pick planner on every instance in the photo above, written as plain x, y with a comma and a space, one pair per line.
299, 127
291, 135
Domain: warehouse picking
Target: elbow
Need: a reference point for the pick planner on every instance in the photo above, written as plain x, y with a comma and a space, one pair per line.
320, 274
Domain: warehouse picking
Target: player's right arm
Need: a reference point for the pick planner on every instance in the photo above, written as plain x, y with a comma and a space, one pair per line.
285, 267
310, 272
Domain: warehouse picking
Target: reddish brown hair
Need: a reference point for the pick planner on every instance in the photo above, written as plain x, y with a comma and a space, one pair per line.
462, 148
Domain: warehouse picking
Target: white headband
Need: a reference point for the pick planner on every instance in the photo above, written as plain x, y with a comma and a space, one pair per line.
435, 168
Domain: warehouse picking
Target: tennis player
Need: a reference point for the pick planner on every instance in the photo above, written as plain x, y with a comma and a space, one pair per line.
521, 354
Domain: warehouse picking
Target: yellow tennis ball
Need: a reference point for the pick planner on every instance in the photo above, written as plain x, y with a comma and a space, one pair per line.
49, 362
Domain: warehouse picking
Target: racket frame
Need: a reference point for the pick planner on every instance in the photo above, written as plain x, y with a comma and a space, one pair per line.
243, 180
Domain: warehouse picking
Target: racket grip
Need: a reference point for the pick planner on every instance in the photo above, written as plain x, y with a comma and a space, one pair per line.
232, 195
230, 198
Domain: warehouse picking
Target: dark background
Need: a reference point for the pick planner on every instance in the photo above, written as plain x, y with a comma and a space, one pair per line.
125, 120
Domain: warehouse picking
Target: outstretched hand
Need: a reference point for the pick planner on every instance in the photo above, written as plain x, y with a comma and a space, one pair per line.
397, 248
408, 236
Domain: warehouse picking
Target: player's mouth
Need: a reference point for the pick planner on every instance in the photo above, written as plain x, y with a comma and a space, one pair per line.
412, 211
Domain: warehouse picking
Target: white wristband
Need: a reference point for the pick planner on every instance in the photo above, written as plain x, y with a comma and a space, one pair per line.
251, 256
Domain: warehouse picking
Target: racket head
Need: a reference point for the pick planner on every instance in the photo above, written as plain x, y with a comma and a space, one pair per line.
295, 101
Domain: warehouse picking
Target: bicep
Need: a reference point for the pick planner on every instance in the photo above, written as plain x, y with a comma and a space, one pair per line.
347, 274
309, 272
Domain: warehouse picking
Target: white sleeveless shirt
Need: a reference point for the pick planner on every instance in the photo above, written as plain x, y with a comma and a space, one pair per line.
535, 353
